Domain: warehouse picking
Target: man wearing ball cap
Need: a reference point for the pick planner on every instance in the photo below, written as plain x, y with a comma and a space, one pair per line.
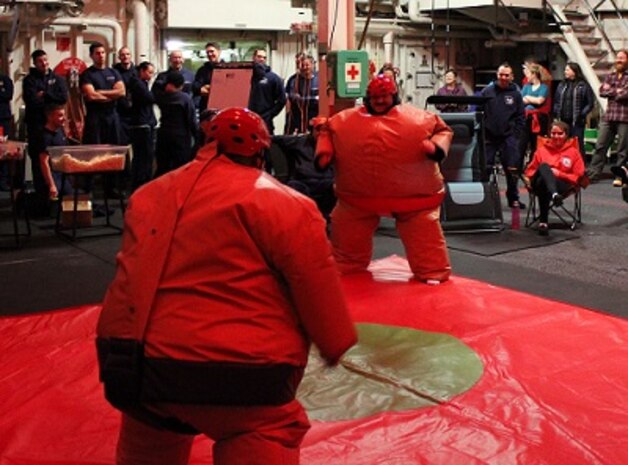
386, 158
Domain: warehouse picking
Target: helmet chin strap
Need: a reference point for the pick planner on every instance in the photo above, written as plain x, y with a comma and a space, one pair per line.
260, 159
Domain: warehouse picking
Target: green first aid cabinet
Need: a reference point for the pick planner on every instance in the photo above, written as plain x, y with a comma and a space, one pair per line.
349, 72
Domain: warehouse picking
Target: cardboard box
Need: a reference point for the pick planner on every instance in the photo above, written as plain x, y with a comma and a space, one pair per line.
83, 211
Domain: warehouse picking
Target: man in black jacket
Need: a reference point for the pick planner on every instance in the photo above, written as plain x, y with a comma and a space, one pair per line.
177, 127
268, 96
175, 61
143, 124
504, 123
127, 71
203, 77
41, 87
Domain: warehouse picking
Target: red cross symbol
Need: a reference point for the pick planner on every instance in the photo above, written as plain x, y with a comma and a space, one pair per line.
353, 72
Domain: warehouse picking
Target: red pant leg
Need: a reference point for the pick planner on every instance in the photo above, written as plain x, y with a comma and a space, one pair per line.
352, 232
140, 444
424, 241
249, 435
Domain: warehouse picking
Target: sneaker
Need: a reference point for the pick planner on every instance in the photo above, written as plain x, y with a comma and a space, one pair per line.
617, 182
543, 229
516, 204
621, 173
557, 199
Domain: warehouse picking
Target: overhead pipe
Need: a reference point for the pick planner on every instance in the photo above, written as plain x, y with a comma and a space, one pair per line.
404, 28
93, 22
388, 41
142, 32
415, 15
15, 29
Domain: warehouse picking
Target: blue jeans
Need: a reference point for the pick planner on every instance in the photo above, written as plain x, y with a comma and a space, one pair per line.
510, 156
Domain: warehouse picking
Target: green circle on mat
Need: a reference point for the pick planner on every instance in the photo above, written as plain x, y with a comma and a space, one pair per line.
391, 368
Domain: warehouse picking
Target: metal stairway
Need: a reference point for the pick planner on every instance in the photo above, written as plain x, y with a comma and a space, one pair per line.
586, 41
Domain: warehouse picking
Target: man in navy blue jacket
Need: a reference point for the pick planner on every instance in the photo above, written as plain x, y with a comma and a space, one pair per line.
268, 96
175, 60
127, 71
41, 87
102, 87
203, 78
143, 124
504, 124
177, 127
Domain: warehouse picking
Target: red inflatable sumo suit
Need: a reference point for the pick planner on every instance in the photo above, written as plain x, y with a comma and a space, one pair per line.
386, 165
231, 276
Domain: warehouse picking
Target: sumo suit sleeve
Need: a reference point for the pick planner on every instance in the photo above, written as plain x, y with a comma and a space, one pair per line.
441, 138
324, 154
296, 245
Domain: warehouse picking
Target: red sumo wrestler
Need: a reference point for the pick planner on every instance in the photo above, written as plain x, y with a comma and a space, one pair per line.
386, 158
223, 279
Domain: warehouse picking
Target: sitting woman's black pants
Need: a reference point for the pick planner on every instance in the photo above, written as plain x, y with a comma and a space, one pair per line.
544, 185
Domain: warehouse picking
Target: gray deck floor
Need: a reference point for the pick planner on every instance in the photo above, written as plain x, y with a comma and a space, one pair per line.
589, 270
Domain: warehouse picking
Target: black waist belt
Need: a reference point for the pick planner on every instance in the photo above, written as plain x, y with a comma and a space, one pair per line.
211, 383
130, 377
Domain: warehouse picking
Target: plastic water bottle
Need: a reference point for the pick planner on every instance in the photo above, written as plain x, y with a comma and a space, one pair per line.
516, 219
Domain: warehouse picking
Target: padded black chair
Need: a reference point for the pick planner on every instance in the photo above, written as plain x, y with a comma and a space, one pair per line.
463, 162
472, 201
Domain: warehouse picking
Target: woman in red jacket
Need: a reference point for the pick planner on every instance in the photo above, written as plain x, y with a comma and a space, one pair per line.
555, 169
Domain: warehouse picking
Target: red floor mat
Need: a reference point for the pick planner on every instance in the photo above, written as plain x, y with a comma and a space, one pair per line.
554, 388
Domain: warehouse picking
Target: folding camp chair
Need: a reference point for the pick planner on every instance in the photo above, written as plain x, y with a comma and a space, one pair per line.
568, 212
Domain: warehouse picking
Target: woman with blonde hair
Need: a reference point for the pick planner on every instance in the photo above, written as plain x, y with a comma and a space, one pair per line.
534, 94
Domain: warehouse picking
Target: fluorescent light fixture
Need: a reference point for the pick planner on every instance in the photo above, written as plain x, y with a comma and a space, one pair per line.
174, 45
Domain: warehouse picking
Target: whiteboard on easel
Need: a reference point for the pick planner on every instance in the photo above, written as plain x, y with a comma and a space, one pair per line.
230, 87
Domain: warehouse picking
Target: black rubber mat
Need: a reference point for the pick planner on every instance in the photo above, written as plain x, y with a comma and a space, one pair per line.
489, 244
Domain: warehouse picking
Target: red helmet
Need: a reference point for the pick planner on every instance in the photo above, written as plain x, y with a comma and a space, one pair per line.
239, 131
381, 85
